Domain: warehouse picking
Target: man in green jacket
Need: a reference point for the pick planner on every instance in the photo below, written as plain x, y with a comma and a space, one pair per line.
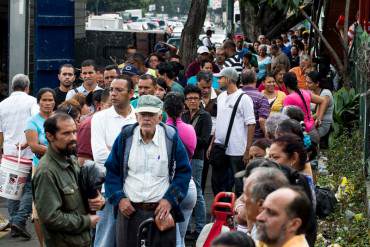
58, 200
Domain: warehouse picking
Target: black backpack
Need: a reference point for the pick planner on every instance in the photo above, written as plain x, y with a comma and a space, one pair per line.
325, 201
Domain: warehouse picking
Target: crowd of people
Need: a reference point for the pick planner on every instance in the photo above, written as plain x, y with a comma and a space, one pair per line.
254, 114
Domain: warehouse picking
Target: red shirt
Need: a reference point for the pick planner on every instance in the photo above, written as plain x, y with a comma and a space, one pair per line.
282, 88
194, 68
84, 139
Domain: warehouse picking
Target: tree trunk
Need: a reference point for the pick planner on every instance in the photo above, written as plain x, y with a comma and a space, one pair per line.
192, 29
248, 18
261, 18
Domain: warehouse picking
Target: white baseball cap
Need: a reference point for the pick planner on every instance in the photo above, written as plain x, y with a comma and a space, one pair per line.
202, 49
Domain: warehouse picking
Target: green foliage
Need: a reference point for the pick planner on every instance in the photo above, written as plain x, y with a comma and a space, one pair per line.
345, 160
346, 111
292, 5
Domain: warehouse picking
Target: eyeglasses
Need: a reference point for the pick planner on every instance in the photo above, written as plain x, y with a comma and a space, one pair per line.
117, 90
192, 98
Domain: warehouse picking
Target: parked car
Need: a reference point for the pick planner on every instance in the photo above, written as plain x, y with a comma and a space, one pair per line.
175, 41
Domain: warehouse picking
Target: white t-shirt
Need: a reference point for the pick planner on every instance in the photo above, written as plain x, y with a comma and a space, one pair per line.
14, 114
244, 117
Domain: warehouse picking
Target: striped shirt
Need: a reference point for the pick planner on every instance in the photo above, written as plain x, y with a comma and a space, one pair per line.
236, 62
261, 108
80, 89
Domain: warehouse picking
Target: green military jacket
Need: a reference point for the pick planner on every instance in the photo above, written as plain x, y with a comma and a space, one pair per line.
58, 202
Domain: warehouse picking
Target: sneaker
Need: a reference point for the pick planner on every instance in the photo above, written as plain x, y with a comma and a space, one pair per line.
13, 233
21, 231
4, 223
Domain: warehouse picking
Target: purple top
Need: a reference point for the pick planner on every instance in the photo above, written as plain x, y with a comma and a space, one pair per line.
261, 108
187, 134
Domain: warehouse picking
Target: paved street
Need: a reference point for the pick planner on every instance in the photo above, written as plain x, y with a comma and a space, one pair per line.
7, 241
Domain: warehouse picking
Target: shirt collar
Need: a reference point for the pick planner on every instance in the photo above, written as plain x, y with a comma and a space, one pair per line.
249, 88
114, 114
213, 93
60, 159
18, 93
155, 139
298, 240
84, 90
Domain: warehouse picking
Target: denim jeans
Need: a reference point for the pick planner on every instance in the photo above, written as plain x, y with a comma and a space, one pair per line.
200, 206
105, 234
186, 207
20, 210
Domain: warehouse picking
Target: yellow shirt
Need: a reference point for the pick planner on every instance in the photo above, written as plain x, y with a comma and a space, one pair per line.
278, 102
152, 72
296, 241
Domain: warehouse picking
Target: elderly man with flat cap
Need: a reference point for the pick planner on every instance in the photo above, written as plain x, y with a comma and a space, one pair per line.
148, 174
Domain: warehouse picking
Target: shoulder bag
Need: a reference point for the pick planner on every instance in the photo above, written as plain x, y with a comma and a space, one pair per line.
218, 156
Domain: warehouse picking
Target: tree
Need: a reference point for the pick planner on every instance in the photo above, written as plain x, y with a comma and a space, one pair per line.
267, 17
192, 29
258, 17
254, 11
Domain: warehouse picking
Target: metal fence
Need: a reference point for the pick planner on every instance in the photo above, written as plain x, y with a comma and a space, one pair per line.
360, 75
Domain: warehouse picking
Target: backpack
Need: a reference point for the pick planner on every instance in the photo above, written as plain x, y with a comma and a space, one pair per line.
325, 202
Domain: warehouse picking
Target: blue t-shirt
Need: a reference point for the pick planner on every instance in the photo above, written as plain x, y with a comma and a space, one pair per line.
242, 52
36, 123
193, 80
262, 67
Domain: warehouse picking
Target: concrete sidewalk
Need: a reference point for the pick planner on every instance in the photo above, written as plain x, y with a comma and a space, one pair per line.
7, 241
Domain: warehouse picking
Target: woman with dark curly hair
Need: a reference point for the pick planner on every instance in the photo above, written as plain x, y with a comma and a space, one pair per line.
174, 105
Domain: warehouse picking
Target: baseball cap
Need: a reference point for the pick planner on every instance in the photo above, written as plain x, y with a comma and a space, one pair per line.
239, 37
202, 49
160, 47
149, 103
228, 72
131, 70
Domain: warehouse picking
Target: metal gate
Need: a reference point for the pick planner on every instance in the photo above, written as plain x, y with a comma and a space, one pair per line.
54, 40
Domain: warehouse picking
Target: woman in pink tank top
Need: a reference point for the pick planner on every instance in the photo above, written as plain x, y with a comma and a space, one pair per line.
302, 99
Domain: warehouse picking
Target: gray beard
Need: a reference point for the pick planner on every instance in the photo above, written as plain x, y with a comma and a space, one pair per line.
263, 236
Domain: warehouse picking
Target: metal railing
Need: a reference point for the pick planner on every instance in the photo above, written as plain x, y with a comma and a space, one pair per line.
360, 75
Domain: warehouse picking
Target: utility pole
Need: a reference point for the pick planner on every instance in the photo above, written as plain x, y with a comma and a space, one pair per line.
230, 17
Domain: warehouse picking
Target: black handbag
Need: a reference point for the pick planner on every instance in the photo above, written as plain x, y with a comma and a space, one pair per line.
218, 157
